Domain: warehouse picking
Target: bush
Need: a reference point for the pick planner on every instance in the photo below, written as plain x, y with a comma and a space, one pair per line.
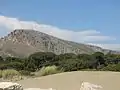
25, 73
16, 65
70, 65
48, 71
112, 67
9, 74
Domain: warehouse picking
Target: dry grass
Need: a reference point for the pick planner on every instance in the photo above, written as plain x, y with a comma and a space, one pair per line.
48, 71
10, 74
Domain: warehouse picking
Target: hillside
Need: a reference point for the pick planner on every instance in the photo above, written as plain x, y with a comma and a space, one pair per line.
25, 42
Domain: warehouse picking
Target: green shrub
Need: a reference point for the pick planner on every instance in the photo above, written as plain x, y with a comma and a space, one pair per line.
25, 73
112, 67
118, 67
70, 65
16, 65
48, 71
9, 74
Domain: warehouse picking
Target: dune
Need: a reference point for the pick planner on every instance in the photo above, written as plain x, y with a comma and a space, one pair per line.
73, 80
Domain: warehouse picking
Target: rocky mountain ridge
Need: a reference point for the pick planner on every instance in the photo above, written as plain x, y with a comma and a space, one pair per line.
22, 42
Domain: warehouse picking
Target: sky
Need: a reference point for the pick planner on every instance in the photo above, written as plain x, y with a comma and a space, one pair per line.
95, 22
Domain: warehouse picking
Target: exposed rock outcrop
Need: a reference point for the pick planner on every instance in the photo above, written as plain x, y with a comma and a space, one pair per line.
25, 42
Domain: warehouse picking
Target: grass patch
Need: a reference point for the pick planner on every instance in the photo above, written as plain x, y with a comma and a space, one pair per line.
10, 74
48, 71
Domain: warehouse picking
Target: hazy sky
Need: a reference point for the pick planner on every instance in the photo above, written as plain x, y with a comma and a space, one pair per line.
87, 21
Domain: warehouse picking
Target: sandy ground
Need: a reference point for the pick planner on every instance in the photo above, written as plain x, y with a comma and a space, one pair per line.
73, 80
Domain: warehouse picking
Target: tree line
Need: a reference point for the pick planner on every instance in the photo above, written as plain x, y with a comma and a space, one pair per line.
67, 62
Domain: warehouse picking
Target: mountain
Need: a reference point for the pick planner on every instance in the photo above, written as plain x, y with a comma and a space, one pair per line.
22, 43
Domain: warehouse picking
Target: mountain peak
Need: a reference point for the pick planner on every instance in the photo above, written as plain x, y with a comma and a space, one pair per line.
23, 42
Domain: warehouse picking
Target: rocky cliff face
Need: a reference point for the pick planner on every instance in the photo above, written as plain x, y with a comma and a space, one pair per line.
25, 42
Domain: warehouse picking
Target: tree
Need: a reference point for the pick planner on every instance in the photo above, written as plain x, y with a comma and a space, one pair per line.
31, 67
16, 65
1, 59
67, 56
62, 57
112, 58
70, 65
99, 59
13, 59
86, 60
41, 59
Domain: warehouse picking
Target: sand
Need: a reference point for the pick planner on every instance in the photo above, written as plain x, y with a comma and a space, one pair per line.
73, 80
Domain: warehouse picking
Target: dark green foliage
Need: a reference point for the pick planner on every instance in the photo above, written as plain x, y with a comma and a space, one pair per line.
67, 56
70, 64
31, 67
66, 62
1, 59
99, 59
112, 59
41, 59
112, 67
85, 60
3, 66
26, 73
16, 65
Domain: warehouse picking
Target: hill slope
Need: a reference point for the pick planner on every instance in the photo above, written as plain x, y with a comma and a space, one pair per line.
25, 42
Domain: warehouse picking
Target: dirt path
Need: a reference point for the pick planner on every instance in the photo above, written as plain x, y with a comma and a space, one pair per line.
73, 80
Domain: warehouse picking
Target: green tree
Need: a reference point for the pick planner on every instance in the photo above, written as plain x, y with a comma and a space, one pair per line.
86, 60
70, 65
16, 65
99, 59
41, 59
1, 59
112, 58
67, 56
31, 67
